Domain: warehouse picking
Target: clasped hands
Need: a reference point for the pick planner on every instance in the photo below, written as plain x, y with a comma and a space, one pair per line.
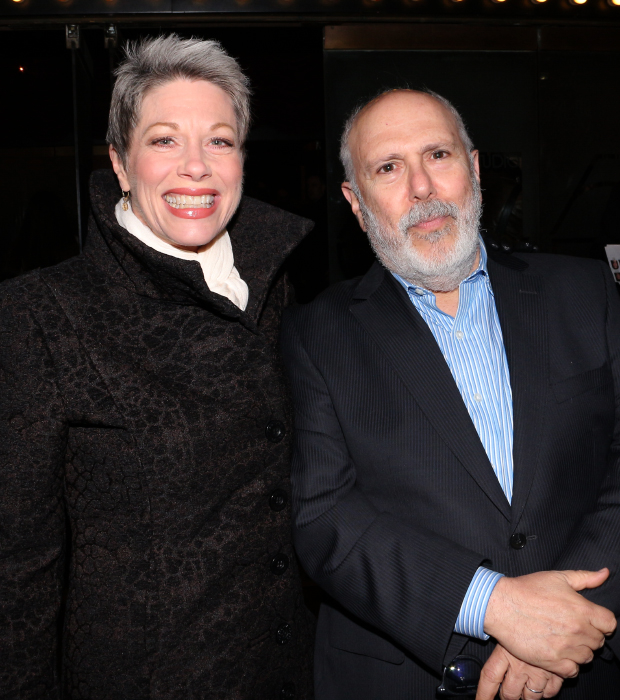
545, 629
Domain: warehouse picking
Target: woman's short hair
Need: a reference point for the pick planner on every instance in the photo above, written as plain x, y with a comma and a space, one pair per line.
152, 62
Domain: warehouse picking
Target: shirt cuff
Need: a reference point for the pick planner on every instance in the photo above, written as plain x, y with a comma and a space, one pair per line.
470, 621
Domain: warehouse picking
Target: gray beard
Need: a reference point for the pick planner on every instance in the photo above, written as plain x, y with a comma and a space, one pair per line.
445, 267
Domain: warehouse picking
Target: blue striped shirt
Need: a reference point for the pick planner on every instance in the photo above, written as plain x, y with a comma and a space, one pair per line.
473, 348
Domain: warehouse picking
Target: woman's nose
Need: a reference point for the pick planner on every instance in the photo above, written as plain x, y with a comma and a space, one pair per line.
195, 164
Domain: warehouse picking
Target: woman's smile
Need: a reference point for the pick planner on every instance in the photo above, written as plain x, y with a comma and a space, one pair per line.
188, 203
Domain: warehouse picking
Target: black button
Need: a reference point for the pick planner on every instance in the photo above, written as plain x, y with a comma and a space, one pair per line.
288, 691
278, 500
275, 430
518, 540
279, 564
284, 634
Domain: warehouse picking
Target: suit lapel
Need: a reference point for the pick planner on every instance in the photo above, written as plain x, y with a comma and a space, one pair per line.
519, 298
383, 309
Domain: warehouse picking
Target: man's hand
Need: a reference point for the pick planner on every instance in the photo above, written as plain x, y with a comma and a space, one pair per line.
541, 619
514, 679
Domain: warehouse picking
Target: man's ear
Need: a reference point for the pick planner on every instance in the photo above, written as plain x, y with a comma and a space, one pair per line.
119, 169
476, 163
351, 197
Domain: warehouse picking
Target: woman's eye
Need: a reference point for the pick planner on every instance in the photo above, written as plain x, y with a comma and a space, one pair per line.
221, 143
164, 141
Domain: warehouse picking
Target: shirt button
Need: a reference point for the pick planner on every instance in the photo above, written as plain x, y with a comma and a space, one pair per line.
478, 397
419, 292
460, 335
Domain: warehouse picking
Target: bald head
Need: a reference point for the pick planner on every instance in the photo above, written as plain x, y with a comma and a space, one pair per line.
385, 104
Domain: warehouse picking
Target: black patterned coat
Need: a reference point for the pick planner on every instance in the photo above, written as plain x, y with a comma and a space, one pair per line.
144, 474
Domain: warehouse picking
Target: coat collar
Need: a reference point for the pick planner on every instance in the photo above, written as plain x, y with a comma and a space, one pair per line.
382, 307
262, 237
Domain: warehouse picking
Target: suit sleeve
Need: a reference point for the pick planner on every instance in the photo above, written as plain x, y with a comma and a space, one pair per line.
32, 519
596, 541
404, 580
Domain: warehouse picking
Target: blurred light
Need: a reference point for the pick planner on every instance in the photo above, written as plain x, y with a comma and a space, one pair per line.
614, 3
17, 0
578, 2
499, 1
538, 2
21, 68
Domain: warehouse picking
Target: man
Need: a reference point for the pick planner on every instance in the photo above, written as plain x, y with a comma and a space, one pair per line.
457, 438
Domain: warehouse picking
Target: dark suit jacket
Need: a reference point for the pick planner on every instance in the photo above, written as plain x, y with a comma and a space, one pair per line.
395, 501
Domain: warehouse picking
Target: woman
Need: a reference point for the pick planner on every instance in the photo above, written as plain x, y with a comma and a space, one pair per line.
144, 452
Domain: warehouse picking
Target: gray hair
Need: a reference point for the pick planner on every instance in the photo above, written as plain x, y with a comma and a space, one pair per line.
152, 62
345, 151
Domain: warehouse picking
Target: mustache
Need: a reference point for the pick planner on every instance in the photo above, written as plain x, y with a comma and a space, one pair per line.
425, 211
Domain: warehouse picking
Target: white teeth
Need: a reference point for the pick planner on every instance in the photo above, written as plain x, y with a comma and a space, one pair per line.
186, 201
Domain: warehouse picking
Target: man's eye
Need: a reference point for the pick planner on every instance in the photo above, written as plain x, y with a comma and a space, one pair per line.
387, 168
438, 155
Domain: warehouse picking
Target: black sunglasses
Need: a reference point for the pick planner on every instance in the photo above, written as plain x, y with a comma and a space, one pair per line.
460, 677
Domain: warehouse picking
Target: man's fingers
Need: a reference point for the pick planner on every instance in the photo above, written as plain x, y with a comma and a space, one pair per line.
553, 687
603, 619
492, 675
565, 668
514, 683
578, 580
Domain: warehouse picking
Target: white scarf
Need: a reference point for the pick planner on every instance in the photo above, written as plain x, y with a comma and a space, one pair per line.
215, 258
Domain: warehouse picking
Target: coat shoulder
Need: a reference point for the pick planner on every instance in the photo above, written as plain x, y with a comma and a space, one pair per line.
30, 295
328, 309
568, 275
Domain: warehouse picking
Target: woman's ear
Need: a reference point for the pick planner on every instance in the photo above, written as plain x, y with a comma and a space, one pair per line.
119, 169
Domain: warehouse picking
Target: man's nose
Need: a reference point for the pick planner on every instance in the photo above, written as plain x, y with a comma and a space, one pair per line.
195, 164
421, 184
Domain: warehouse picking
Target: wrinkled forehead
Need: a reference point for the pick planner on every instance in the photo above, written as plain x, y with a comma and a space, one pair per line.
398, 120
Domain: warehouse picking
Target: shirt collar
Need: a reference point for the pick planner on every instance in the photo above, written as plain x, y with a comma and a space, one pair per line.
481, 271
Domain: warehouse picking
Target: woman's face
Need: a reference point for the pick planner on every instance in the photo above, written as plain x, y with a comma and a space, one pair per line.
184, 167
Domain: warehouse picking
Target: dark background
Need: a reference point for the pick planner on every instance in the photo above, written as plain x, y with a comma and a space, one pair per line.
541, 99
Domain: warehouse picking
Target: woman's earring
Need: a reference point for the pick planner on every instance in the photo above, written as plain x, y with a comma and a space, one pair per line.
125, 200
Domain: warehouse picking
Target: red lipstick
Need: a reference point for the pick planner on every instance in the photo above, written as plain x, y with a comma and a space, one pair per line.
192, 212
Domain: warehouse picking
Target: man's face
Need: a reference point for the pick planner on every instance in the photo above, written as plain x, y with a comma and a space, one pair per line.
417, 184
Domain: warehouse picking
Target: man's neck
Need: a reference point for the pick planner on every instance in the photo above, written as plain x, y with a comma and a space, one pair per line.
448, 302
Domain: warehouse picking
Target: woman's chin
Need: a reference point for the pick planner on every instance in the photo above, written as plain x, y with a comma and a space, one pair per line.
191, 239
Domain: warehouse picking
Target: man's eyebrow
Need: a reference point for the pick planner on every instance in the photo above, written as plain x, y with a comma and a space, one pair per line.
384, 159
452, 145
438, 145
